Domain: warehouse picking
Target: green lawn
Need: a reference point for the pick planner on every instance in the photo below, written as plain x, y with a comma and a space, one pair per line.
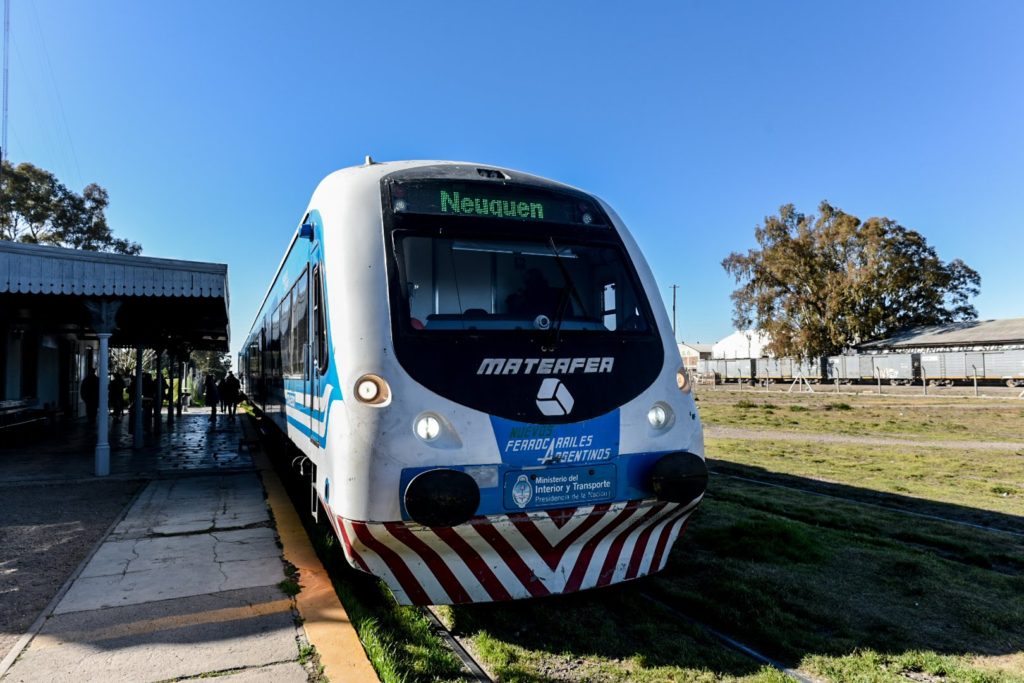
977, 479
909, 417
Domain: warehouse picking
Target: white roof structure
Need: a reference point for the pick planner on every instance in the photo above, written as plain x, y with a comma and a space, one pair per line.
686, 348
155, 302
741, 344
1008, 332
34, 269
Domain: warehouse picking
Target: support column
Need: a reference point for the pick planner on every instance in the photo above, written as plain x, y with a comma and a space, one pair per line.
170, 388
139, 439
102, 457
181, 382
104, 314
158, 398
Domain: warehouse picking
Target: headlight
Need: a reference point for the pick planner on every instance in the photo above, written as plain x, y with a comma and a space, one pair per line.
659, 415
683, 380
428, 427
372, 389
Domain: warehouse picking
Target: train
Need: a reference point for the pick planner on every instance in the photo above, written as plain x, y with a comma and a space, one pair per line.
937, 368
478, 376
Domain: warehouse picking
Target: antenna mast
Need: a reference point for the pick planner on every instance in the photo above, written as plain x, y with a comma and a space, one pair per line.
7, 59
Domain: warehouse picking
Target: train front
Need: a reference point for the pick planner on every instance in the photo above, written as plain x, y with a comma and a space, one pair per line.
531, 431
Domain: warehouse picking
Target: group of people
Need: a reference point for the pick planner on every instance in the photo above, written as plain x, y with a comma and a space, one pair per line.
224, 393
89, 392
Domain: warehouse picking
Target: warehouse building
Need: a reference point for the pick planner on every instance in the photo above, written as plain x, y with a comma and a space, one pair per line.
692, 353
973, 335
741, 344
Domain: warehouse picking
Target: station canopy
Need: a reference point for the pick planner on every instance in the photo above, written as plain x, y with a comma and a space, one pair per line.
154, 302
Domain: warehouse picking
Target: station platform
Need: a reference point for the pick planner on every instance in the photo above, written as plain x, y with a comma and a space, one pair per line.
189, 580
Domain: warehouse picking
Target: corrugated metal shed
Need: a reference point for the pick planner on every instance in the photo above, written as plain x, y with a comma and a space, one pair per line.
1007, 332
34, 269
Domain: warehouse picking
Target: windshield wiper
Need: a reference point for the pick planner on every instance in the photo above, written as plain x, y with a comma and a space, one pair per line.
563, 301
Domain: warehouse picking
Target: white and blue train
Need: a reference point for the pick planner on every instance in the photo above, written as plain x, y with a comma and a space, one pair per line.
478, 365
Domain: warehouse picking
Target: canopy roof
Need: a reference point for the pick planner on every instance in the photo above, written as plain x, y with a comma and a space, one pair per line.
161, 302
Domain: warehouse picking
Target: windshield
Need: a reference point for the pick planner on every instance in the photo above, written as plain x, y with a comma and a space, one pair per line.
462, 284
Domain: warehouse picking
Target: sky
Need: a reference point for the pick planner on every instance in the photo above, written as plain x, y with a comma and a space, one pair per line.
211, 123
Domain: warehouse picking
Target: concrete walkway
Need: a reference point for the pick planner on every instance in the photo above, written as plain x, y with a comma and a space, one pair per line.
186, 585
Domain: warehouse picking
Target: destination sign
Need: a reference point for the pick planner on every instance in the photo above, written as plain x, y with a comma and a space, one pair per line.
486, 200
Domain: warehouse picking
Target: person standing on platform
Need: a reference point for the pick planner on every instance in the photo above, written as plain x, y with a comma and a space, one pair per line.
230, 395
212, 396
90, 394
221, 394
117, 396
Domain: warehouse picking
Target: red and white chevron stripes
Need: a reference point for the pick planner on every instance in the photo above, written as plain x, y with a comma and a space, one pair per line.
518, 555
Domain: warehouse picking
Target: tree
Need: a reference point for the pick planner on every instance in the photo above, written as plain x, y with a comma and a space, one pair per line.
214, 363
817, 285
37, 208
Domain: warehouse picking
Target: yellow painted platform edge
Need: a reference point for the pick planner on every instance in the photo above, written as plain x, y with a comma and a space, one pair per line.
325, 620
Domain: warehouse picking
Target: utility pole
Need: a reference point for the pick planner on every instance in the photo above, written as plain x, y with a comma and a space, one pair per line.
674, 337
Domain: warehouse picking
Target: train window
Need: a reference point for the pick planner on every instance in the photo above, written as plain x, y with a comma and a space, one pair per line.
300, 326
608, 305
320, 321
275, 343
286, 334
454, 284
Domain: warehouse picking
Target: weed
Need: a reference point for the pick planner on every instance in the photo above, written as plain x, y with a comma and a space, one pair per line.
745, 404
838, 406
290, 587
797, 409
1004, 491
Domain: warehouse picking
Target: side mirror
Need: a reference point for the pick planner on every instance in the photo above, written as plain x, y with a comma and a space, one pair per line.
306, 231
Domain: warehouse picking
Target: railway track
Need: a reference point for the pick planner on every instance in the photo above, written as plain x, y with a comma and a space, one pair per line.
475, 672
863, 503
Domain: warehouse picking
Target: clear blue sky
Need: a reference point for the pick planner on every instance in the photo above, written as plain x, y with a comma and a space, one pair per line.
210, 123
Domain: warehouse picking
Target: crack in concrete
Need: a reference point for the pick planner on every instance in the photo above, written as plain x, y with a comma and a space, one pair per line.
135, 554
219, 563
210, 530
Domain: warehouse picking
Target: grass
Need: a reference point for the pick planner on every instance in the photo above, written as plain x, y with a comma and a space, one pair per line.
918, 418
870, 666
604, 635
986, 480
868, 580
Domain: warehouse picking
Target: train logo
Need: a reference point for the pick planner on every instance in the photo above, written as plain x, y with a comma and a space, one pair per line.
522, 492
554, 398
